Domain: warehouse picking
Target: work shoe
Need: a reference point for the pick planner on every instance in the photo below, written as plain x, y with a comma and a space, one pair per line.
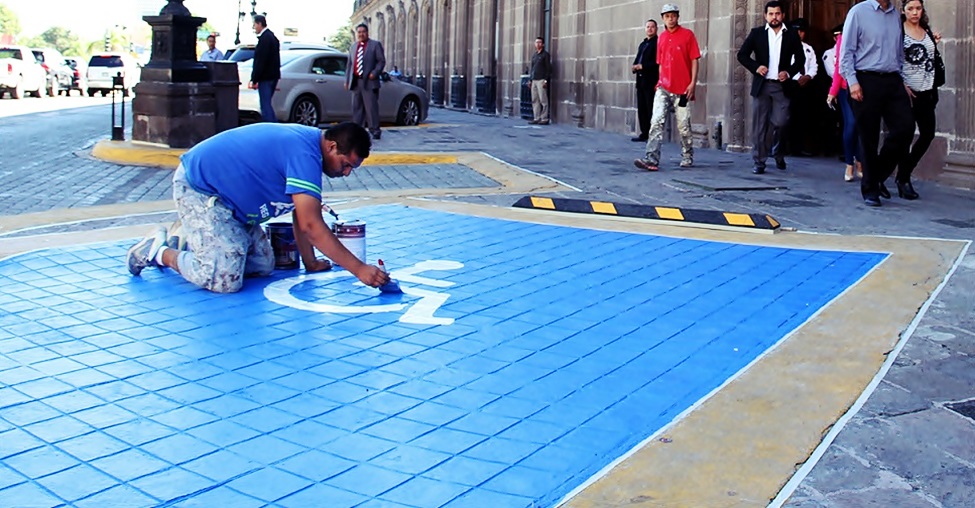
144, 253
686, 163
176, 240
646, 164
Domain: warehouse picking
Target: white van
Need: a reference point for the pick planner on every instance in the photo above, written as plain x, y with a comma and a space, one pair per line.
103, 67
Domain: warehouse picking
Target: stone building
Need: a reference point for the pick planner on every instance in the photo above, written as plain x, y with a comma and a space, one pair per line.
472, 54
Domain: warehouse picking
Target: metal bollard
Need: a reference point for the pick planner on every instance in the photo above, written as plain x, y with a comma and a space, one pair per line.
118, 87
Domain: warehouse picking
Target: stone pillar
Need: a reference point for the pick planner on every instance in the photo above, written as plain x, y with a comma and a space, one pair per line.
174, 104
956, 108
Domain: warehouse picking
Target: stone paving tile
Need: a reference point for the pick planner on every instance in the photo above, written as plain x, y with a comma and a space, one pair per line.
511, 390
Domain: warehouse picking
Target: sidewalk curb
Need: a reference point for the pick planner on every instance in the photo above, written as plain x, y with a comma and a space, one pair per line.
135, 153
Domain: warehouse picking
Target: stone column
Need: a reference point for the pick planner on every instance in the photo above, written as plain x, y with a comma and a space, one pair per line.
956, 109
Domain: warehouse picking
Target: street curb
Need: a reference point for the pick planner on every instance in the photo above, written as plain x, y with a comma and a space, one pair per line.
749, 221
136, 153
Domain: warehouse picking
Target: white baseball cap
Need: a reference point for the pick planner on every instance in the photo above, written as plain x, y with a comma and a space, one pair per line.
669, 8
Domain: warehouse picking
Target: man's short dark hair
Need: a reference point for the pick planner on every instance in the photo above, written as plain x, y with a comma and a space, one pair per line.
772, 4
350, 137
362, 25
211, 36
651, 21
260, 19
540, 38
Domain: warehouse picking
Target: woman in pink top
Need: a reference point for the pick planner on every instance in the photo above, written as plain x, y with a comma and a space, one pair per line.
840, 90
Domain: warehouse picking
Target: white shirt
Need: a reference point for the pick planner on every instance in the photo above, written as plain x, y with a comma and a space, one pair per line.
829, 61
812, 66
774, 51
211, 55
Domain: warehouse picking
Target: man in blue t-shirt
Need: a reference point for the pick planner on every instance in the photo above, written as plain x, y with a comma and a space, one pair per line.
226, 186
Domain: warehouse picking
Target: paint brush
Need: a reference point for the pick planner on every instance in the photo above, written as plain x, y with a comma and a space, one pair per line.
329, 210
391, 287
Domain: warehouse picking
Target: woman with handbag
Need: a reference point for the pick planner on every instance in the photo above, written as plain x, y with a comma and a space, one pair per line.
839, 94
923, 73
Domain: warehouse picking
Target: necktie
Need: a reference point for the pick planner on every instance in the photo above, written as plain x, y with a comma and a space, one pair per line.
359, 57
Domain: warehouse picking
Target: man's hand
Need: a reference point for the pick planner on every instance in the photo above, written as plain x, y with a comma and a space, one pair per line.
252, 85
346, 85
318, 265
372, 76
783, 76
372, 276
690, 91
856, 92
545, 84
804, 80
637, 67
762, 71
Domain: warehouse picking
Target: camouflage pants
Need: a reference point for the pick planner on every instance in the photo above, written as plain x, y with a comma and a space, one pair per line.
662, 102
221, 249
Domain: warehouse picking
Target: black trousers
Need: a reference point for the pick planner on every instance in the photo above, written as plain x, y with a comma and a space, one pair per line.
923, 106
644, 108
884, 98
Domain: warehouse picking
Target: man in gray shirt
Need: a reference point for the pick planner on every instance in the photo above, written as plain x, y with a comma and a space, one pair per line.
541, 71
871, 58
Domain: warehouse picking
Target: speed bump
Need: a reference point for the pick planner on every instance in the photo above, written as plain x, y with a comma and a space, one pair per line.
715, 218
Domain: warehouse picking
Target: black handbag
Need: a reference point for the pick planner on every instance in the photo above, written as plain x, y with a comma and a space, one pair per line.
939, 64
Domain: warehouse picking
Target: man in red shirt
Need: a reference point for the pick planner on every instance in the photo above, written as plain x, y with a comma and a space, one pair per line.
677, 55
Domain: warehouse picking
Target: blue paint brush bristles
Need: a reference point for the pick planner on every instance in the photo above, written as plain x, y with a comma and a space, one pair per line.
391, 287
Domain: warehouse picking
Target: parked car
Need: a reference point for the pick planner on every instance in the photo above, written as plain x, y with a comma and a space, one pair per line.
103, 67
245, 52
79, 74
58, 72
312, 91
20, 73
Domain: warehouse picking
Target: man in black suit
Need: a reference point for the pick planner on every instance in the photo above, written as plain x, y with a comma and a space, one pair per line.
778, 56
267, 67
365, 65
647, 74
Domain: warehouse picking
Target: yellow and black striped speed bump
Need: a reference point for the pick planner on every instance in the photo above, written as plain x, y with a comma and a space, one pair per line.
681, 215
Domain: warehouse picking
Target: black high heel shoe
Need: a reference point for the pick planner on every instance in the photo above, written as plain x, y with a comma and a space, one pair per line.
906, 190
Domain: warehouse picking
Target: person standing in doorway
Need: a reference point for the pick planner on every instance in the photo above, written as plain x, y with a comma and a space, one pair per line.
367, 60
212, 54
920, 45
871, 59
541, 71
647, 74
677, 58
802, 113
773, 54
267, 67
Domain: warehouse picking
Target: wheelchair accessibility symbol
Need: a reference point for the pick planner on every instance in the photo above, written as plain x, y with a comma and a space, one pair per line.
418, 312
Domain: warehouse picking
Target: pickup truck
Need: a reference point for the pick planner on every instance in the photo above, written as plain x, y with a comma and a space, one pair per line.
20, 73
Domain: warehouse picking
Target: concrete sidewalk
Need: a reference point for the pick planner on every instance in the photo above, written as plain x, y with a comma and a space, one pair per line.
902, 445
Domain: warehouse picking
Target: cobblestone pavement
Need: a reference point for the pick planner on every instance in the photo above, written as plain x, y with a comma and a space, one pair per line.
902, 448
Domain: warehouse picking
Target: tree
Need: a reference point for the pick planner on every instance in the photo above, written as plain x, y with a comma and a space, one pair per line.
342, 38
62, 40
9, 22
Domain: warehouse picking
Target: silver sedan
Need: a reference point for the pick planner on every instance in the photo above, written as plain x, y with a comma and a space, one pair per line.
312, 91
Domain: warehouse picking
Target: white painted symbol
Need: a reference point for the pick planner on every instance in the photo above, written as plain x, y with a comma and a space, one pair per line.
419, 312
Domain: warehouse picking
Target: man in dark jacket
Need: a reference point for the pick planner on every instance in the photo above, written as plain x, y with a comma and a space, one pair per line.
777, 57
366, 62
541, 71
267, 67
647, 75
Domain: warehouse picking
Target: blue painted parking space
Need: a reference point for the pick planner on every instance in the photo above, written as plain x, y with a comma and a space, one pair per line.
521, 359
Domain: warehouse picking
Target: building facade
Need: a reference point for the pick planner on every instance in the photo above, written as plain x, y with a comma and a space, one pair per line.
473, 54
